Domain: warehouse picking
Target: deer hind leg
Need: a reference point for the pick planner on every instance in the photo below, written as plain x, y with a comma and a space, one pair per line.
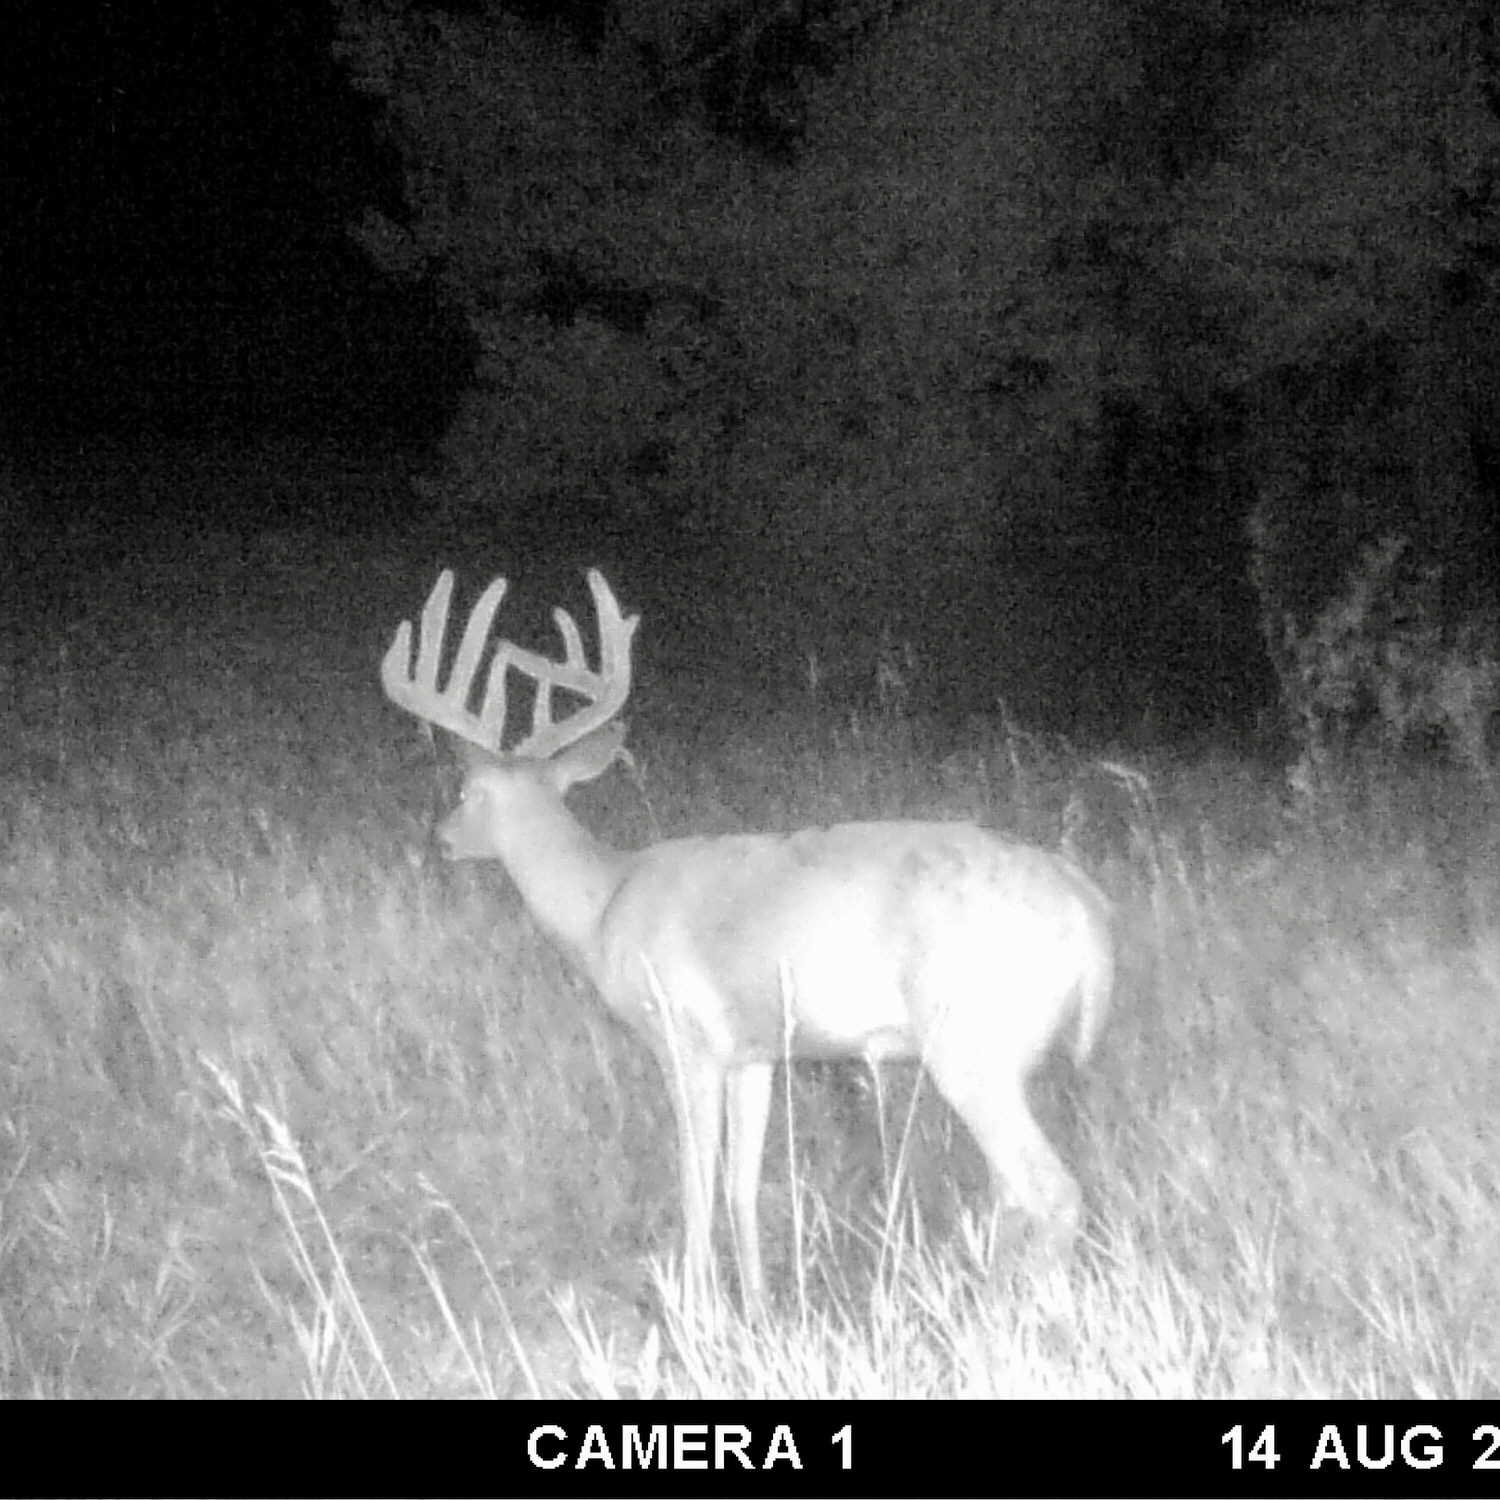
1021, 1158
749, 1101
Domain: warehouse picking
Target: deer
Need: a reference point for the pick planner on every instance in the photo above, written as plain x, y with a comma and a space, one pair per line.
940, 941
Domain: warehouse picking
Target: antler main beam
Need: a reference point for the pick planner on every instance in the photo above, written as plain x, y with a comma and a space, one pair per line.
416, 689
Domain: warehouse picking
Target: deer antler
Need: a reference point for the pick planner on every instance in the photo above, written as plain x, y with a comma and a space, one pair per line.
416, 688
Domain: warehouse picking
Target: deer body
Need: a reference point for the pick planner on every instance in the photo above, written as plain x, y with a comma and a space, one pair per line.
936, 941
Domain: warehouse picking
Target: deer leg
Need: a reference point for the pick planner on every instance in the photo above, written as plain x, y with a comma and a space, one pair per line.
749, 1100
700, 1113
1021, 1158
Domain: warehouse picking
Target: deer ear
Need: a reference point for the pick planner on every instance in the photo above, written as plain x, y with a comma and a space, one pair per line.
591, 757
472, 757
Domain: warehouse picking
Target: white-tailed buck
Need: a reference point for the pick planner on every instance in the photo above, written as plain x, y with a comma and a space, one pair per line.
936, 941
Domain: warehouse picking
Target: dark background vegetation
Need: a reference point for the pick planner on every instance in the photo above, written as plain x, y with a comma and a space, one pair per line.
819, 324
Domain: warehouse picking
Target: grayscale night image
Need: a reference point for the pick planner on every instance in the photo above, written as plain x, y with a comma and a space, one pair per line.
786, 699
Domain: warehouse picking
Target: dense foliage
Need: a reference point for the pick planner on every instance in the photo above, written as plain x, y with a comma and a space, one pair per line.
939, 283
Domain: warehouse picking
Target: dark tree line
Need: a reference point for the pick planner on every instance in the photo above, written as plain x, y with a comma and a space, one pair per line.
941, 306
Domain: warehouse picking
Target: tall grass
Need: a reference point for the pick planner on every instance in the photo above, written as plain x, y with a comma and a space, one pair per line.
286, 1106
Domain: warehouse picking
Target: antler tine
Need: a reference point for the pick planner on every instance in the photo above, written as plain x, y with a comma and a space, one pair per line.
541, 709
416, 688
489, 724
607, 689
434, 629
572, 640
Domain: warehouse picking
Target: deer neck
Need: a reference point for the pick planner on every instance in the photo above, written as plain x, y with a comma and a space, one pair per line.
564, 874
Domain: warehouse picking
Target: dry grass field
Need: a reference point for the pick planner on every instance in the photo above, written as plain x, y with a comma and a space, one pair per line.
287, 1105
